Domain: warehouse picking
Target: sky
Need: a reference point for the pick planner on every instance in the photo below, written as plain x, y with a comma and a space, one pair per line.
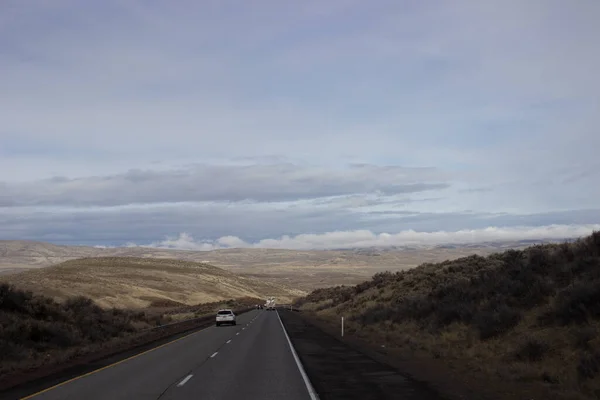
298, 124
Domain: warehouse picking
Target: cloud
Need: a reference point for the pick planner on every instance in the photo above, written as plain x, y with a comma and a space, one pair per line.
458, 116
267, 183
250, 222
366, 238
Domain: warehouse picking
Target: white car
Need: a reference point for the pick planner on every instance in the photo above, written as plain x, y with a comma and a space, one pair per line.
225, 317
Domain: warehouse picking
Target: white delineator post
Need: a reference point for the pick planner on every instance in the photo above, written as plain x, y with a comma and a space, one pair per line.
342, 326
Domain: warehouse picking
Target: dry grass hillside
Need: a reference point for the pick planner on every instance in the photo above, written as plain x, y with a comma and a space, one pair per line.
37, 332
304, 270
33, 327
528, 317
127, 282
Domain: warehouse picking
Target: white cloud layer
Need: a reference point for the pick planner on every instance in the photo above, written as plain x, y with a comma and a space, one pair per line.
366, 238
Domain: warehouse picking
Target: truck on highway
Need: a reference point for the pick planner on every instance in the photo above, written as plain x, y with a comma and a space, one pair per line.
270, 304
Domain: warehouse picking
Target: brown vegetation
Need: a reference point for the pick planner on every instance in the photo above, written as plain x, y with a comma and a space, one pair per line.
36, 331
301, 269
34, 328
522, 316
127, 282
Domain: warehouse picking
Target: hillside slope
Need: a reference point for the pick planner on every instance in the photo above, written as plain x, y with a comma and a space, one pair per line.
39, 336
22, 254
33, 327
306, 270
138, 282
520, 316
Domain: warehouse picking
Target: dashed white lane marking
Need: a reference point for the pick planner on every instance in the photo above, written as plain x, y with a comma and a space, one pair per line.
214, 354
237, 334
184, 381
229, 341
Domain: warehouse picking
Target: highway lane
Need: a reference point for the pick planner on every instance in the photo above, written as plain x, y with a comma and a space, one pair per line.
252, 360
258, 364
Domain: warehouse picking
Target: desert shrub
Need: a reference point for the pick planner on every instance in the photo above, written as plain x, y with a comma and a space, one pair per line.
547, 377
50, 335
416, 308
578, 303
81, 305
32, 323
495, 321
13, 300
338, 294
381, 278
589, 246
374, 315
11, 351
565, 252
361, 287
538, 259
582, 335
589, 366
585, 268
323, 306
531, 350
448, 313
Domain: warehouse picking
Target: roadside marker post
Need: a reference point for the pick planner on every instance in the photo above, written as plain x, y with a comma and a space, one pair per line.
342, 326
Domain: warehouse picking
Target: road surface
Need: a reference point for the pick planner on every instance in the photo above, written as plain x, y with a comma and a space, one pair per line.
340, 372
252, 360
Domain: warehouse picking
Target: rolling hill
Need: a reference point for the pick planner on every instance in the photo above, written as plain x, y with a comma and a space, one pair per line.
303, 270
129, 282
525, 317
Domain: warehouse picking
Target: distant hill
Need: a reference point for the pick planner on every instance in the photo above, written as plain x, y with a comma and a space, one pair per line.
303, 270
495, 245
529, 315
128, 282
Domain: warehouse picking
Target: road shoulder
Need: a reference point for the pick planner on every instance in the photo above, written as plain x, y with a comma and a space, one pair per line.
339, 371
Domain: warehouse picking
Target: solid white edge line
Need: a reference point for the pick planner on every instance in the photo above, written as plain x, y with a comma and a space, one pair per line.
214, 354
311, 390
184, 381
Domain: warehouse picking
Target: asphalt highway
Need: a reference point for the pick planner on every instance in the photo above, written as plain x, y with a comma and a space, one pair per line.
252, 360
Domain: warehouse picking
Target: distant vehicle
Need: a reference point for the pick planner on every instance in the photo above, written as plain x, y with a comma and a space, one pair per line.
270, 304
259, 306
225, 317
